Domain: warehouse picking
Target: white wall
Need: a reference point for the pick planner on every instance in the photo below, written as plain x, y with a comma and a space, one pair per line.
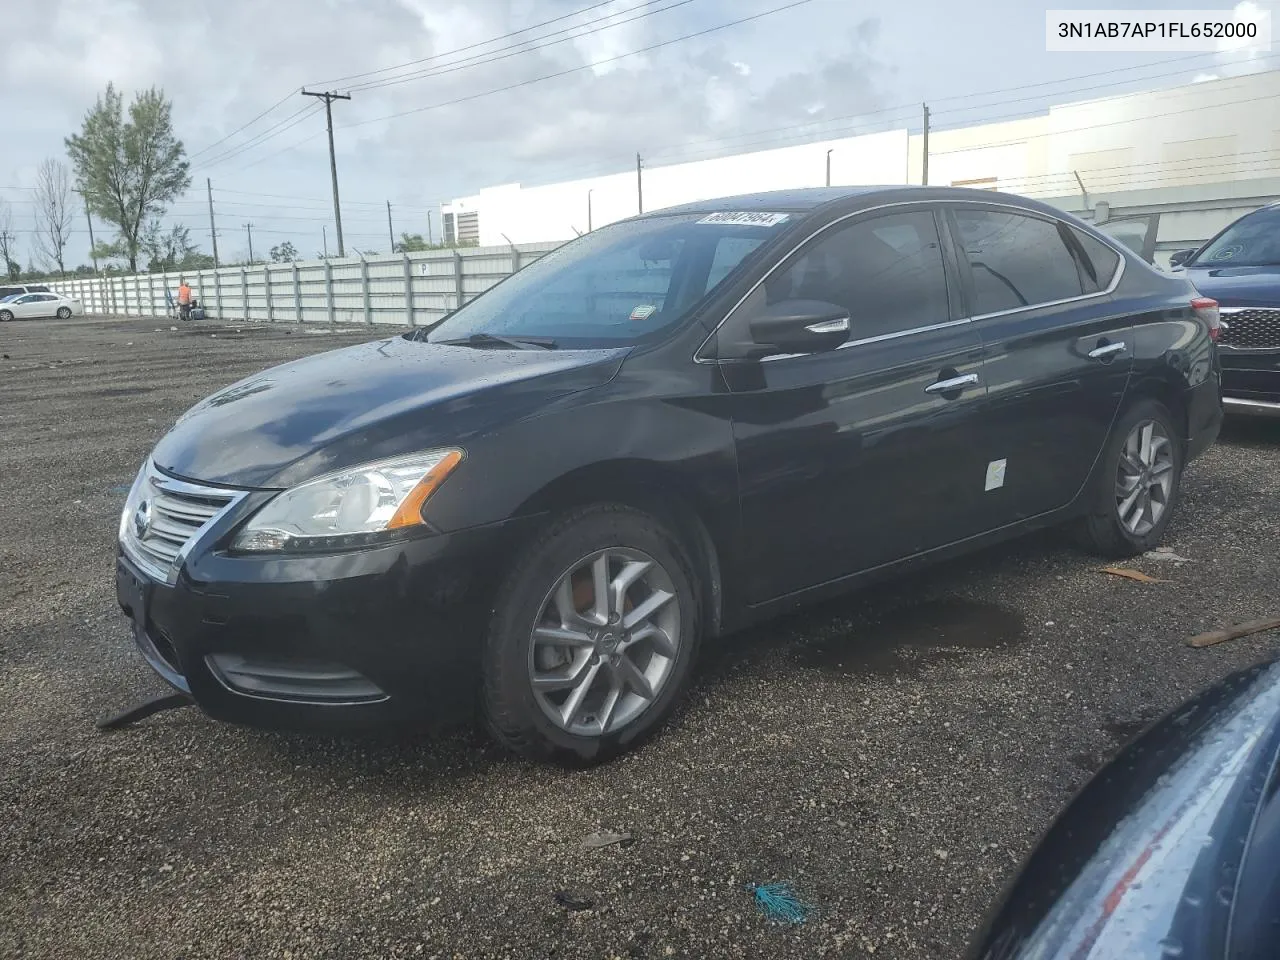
1193, 136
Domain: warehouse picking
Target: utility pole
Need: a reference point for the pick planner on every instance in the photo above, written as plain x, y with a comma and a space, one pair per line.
249, 228
328, 99
324, 234
390, 233
588, 211
925, 175
639, 185
829, 167
430, 241
213, 233
93, 254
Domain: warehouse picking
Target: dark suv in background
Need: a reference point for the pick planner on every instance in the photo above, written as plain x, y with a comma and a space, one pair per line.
1240, 268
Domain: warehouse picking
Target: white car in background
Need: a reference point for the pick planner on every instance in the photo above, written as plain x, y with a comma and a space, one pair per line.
27, 306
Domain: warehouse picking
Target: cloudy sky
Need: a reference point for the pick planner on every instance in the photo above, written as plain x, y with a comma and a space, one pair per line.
436, 129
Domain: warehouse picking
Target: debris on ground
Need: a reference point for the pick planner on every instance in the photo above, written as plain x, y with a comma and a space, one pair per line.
606, 838
573, 902
1131, 574
1233, 633
1165, 554
779, 903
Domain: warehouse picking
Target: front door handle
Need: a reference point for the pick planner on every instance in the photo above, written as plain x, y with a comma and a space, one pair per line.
1106, 351
953, 384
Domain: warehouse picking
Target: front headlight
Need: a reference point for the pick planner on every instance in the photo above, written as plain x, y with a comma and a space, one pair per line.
357, 506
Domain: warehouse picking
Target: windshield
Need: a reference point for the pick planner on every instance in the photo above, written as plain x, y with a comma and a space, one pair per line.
1252, 241
621, 284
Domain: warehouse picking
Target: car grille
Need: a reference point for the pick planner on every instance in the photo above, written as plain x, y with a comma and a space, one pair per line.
1251, 327
164, 515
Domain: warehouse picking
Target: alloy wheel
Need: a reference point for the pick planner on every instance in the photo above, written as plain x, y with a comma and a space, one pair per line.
1144, 480
605, 642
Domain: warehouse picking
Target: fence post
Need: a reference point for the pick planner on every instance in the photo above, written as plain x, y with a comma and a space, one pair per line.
515, 259
244, 293
364, 288
457, 278
151, 293
266, 286
408, 290
217, 291
297, 293
328, 290
137, 293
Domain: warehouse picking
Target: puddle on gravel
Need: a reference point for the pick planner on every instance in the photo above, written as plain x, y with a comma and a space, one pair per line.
909, 638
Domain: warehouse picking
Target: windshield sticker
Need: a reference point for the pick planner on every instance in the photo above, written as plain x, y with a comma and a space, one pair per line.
644, 311
746, 219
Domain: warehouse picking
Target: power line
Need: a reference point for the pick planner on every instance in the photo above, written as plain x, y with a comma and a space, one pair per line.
520, 49
270, 133
244, 126
471, 46
585, 66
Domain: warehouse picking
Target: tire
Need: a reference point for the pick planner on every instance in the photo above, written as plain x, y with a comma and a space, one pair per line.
6, 316
551, 583
64, 313
1104, 530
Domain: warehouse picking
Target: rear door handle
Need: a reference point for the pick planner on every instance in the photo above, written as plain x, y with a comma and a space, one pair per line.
955, 383
1106, 350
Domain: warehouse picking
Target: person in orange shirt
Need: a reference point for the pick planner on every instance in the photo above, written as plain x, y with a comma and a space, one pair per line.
184, 299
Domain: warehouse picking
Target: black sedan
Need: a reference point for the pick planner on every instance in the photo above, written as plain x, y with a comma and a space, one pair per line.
674, 426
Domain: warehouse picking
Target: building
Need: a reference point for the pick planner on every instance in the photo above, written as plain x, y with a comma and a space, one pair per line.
1195, 157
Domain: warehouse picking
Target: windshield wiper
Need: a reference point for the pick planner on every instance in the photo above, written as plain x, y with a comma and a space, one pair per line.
490, 339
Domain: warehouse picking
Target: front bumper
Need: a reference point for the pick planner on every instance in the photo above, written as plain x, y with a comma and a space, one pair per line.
1250, 380
388, 636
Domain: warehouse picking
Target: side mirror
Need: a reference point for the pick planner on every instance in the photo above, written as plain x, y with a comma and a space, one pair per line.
801, 326
1181, 257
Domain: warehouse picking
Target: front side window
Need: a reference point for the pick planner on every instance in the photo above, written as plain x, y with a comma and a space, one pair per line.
1252, 241
1016, 261
623, 283
886, 271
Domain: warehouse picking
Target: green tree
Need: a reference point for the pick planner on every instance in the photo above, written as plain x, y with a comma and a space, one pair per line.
411, 243
166, 249
129, 170
284, 253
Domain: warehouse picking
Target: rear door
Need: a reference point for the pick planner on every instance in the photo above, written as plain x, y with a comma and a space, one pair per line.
859, 456
1058, 352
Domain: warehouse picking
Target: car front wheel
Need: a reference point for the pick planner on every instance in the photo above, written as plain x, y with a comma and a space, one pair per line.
6, 316
1138, 484
64, 313
592, 637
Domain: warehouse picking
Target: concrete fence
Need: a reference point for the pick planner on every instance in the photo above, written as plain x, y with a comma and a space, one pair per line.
413, 289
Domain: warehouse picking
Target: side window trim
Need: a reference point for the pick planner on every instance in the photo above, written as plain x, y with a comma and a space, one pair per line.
954, 304
966, 272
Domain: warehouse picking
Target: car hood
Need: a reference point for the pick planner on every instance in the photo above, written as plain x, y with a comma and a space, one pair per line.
1172, 849
374, 400
1237, 286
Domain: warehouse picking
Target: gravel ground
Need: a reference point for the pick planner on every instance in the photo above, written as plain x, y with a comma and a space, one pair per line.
894, 754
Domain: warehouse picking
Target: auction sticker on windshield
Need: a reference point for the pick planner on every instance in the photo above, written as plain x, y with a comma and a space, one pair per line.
726, 218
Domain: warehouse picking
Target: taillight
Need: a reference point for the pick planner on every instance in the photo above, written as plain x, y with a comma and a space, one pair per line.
1206, 309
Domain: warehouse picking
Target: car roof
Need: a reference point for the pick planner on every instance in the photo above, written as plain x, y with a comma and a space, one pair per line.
806, 200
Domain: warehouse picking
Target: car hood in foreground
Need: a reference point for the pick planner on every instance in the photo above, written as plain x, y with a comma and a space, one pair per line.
1171, 850
374, 400
1237, 286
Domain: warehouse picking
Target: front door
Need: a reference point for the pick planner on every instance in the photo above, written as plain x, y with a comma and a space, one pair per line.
863, 455
1058, 351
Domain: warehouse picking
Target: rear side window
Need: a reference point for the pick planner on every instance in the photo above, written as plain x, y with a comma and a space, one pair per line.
1098, 262
38, 289
887, 271
1016, 261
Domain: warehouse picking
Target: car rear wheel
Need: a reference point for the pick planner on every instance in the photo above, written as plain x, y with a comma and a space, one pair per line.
6, 316
1138, 484
64, 313
592, 637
